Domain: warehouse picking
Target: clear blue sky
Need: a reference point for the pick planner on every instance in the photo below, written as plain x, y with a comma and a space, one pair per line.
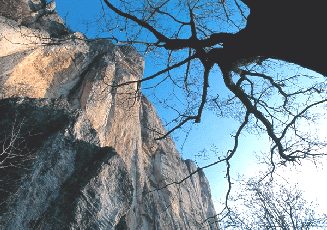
211, 131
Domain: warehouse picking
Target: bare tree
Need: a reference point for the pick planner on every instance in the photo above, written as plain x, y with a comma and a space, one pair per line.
247, 45
271, 205
13, 147
257, 50
250, 47
15, 158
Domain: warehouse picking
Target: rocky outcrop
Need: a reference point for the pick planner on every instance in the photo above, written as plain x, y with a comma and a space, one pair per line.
79, 152
50, 179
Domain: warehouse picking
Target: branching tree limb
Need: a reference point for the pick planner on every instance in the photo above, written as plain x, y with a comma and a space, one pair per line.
244, 39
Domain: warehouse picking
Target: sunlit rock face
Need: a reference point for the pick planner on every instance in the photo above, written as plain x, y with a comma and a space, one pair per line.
86, 150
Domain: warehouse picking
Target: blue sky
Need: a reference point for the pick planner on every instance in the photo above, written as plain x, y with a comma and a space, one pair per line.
211, 131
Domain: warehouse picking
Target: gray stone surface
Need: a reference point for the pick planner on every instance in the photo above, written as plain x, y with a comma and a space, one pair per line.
61, 182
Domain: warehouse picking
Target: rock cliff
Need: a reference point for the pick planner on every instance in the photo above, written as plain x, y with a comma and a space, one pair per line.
76, 152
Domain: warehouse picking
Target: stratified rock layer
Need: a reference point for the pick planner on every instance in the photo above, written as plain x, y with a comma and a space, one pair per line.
78, 152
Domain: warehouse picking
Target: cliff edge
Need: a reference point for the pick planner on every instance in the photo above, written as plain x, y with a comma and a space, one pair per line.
78, 153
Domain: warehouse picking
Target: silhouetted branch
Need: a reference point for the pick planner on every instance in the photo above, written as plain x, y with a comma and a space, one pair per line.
158, 73
158, 35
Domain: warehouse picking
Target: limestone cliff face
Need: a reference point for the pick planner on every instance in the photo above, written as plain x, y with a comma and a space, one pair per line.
78, 153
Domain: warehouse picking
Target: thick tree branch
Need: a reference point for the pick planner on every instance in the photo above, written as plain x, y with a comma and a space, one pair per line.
157, 34
176, 127
204, 93
159, 72
243, 97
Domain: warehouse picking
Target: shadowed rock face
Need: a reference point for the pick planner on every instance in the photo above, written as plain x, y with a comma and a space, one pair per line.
51, 180
85, 151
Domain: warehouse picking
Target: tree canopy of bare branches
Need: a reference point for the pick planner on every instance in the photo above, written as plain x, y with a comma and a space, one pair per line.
249, 46
272, 205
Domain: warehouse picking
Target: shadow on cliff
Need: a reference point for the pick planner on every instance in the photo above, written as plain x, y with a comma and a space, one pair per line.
23, 129
35, 136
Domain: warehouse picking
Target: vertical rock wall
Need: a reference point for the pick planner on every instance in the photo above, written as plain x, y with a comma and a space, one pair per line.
100, 167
